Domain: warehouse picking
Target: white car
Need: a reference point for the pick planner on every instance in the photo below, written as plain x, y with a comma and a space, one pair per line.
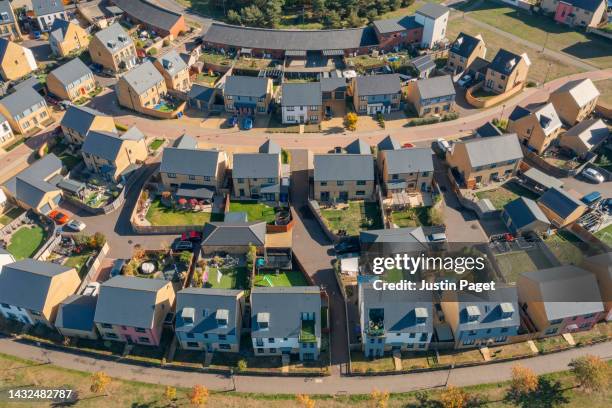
92, 289
593, 175
465, 80
76, 225
443, 145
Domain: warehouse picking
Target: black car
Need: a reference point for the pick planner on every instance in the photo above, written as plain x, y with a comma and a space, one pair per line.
347, 246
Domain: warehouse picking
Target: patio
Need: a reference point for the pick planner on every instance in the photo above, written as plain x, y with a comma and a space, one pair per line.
159, 265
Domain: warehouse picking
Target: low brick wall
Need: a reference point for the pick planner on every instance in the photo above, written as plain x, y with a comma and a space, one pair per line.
604, 110
494, 100
270, 228
166, 115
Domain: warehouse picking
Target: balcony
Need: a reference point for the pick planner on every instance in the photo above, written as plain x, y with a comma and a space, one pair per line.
307, 332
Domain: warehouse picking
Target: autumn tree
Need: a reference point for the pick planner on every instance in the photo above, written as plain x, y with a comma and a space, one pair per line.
524, 382
350, 121
454, 397
99, 381
170, 393
305, 401
591, 372
199, 395
380, 398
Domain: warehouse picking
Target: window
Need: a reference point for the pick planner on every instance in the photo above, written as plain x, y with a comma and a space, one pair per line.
501, 339
171, 175
193, 344
144, 340
225, 346
107, 326
259, 342
240, 180
192, 177
6, 306
411, 335
190, 335
271, 340
271, 180
260, 350
110, 335
361, 182
421, 320
290, 108
323, 183
314, 118
551, 331
140, 330
504, 330
272, 350
360, 192
423, 336
469, 342
340, 183
314, 107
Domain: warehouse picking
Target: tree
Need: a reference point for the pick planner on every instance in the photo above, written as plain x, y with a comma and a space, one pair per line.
319, 9
250, 256
591, 372
333, 19
354, 20
99, 381
170, 393
252, 16
380, 398
524, 382
152, 51
198, 395
454, 397
305, 401
350, 121
274, 12
97, 240
242, 364
372, 15
233, 17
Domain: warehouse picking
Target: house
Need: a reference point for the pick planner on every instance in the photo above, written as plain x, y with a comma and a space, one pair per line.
154, 18
559, 300
560, 207
424, 65
286, 320
174, 70
245, 95
585, 137
6, 133
333, 94
209, 319
358, 146
71, 81
66, 37
5, 256
464, 51
523, 215
376, 93
392, 321
484, 160
112, 155
31, 291
507, 71
601, 267
78, 120
488, 318
301, 103
434, 18
9, 28
142, 88
535, 128
133, 310
343, 177
488, 130
432, 96
257, 176
35, 187
16, 61
575, 100
26, 111
233, 237
388, 143
585, 13
192, 172
75, 317
406, 170
114, 49
47, 11
398, 32
201, 97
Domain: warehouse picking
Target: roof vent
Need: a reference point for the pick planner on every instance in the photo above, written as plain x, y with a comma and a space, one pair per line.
122, 38
111, 44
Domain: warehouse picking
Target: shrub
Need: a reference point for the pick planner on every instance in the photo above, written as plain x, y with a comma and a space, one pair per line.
242, 364
166, 42
152, 51
350, 121
531, 84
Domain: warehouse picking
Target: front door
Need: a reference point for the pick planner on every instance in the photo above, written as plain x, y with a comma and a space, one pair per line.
343, 196
324, 196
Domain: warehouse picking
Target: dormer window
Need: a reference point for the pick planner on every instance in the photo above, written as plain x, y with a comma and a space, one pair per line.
222, 316
263, 321
188, 314
473, 313
421, 315
507, 310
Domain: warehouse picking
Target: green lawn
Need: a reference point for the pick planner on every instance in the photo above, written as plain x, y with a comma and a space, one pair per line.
156, 144
513, 264
207, 79
160, 215
415, 216
26, 241
232, 278
504, 194
285, 278
10, 215
562, 245
255, 211
605, 235
78, 261
358, 216
215, 58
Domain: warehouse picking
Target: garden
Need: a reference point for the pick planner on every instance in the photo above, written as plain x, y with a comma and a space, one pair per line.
216, 58
416, 216
605, 234
159, 264
25, 241
513, 264
76, 251
566, 247
221, 272
352, 217
273, 278
24, 232
167, 210
9, 215
255, 211
505, 193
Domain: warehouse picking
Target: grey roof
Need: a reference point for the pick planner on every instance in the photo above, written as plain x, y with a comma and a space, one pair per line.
559, 285
489, 305
436, 87
71, 71
209, 300
590, 5
234, 233
394, 235
378, 84
133, 133
489, 150
172, 62
433, 10
5, 7
195, 191
77, 313
524, 211
358, 146
269, 146
238, 85
543, 178
256, 165
423, 63
29, 186
80, 118
114, 38
333, 84
189, 161
59, 29
400, 311
149, 13
417, 159
186, 142
201, 92
284, 306
465, 44
582, 90
488, 130
106, 145
343, 167
559, 201
301, 94
591, 132
504, 62
129, 301
518, 112
26, 283
44, 7
395, 24
305, 40
547, 118
389, 143
22, 100
143, 77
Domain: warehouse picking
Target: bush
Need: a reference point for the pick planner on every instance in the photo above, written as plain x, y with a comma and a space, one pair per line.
350, 121
166, 42
121, 127
152, 51
242, 365
531, 84
380, 119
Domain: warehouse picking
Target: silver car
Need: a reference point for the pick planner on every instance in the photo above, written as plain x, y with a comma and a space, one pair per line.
593, 175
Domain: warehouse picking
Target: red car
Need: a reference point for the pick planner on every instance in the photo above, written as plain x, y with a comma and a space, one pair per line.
193, 236
59, 217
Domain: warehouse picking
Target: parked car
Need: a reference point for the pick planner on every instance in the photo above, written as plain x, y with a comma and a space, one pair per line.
591, 198
76, 225
465, 81
64, 104
59, 217
232, 121
438, 237
117, 267
96, 68
182, 245
92, 289
247, 123
443, 145
407, 145
347, 246
593, 175
192, 236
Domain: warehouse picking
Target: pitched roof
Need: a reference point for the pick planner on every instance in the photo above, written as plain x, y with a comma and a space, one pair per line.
234, 233
547, 118
559, 201
29, 186
5, 7
543, 178
378, 84
489, 150
518, 112
395, 235
433, 10
80, 118
77, 313
246, 86
343, 167
435, 87
590, 5
284, 306
591, 132
71, 72
269, 146
416, 159
488, 305
524, 211
488, 130
256, 165
143, 77
172, 62
465, 44
44, 7
59, 28
358, 146
205, 302
189, 161
114, 38
393, 25
423, 63
21, 100
101, 143
149, 13
186, 142
389, 143
301, 94
505, 61
129, 301
333, 84
582, 90
26, 283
